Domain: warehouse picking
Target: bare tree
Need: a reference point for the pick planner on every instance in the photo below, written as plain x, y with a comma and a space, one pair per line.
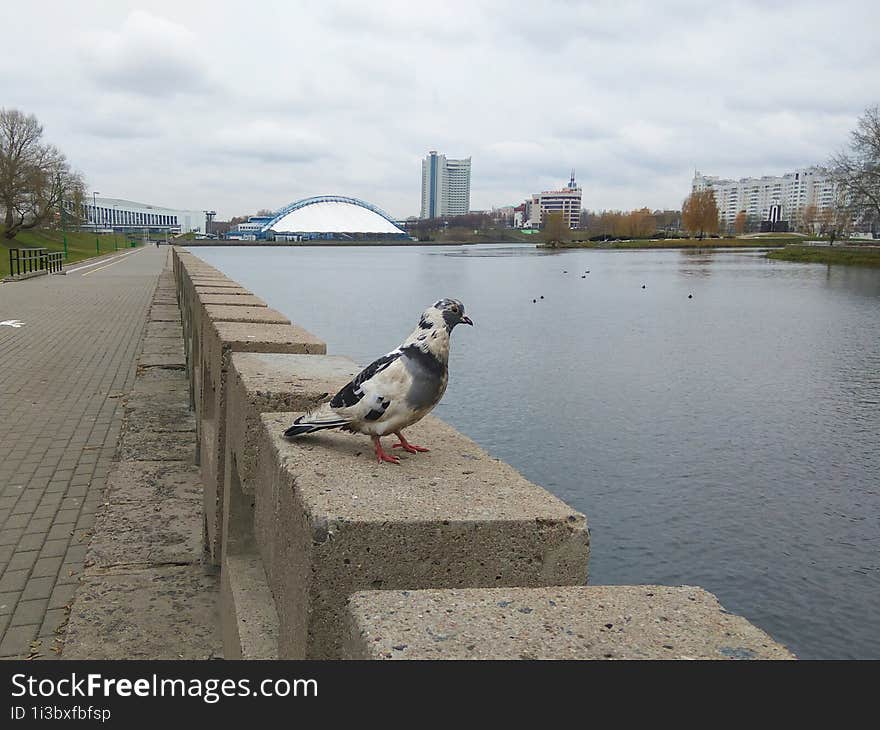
809, 218
699, 213
835, 220
739, 223
35, 178
857, 171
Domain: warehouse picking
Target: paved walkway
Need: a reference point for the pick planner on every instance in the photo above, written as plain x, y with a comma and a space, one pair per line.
62, 378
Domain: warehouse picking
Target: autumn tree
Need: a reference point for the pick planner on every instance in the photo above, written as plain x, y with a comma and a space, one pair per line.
699, 213
640, 223
809, 218
739, 223
555, 228
35, 178
857, 170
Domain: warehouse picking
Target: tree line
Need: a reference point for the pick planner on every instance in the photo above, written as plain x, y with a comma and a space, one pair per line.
36, 179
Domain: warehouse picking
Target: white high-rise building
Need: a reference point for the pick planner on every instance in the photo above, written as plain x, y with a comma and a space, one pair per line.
793, 191
446, 186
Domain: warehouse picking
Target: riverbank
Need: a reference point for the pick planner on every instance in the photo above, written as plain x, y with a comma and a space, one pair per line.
846, 255
672, 243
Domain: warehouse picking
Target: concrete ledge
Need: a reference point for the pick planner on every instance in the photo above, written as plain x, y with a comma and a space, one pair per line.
244, 313
329, 522
219, 340
249, 619
270, 382
222, 291
143, 481
149, 532
236, 299
137, 615
596, 622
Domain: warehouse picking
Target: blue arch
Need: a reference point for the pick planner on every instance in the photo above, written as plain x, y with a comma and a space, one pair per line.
325, 199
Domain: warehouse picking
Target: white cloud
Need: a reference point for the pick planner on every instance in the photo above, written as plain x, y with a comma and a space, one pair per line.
238, 106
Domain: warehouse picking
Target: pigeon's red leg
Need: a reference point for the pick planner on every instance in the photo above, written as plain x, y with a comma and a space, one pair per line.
406, 445
381, 455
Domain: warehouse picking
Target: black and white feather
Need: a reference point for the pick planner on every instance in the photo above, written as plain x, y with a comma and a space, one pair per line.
399, 388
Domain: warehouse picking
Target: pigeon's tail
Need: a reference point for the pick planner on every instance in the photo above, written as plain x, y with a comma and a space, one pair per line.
315, 421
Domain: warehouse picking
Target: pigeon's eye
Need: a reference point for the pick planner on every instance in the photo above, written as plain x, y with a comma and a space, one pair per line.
454, 310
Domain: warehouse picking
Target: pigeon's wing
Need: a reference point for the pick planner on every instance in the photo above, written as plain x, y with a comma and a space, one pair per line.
353, 393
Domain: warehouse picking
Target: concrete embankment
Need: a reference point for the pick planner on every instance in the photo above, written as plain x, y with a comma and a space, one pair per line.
323, 553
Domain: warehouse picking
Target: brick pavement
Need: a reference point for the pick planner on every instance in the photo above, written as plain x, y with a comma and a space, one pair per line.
62, 379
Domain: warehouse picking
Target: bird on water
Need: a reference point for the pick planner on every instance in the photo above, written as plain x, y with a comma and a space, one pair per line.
395, 391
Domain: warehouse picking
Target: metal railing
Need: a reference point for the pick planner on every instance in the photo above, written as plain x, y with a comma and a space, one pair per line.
24, 261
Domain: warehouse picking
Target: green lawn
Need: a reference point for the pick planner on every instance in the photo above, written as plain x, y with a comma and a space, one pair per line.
837, 254
79, 245
680, 243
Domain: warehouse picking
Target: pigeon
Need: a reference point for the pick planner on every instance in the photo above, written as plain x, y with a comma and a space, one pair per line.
396, 390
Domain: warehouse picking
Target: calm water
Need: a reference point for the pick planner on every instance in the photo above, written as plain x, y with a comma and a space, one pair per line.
728, 441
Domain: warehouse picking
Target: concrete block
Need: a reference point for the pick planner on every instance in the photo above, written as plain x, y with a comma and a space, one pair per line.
219, 340
266, 382
222, 289
142, 481
330, 522
234, 300
158, 613
175, 361
162, 416
222, 282
231, 313
161, 532
164, 313
586, 622
157, 446
167, 330
248, 617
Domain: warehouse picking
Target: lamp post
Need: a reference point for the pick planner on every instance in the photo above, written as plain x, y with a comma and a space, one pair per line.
61, 215
95, 214
113, 225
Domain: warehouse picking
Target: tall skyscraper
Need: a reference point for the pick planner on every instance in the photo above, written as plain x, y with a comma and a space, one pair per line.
446, 186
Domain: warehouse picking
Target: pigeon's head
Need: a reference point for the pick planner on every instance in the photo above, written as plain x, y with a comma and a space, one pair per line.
446, 313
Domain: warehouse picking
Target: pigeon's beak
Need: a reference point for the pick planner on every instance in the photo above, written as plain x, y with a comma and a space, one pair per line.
467, 320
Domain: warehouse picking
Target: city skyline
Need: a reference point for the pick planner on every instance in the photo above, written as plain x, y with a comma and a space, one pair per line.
148, 105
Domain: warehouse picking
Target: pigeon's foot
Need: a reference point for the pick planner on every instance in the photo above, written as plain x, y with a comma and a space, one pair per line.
407, 446
381, 455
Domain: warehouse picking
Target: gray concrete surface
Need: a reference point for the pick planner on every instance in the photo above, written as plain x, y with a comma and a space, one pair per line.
144, 591
587, 622
63, 377
330, 521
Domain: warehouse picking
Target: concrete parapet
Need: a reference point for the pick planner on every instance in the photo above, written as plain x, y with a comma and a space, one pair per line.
232, 313
224, 290
259, 383
219, 340
329, 521
235, 299
248, 618
586, 622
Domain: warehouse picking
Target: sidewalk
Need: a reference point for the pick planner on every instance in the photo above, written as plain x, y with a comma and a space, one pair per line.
62, 378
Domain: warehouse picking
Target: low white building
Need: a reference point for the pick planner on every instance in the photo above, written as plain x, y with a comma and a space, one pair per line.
566, 201
116, 214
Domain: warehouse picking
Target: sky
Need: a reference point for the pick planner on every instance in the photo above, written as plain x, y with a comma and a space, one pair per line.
238, 106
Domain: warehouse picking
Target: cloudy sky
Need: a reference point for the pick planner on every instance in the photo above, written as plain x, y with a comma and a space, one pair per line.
244, 105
